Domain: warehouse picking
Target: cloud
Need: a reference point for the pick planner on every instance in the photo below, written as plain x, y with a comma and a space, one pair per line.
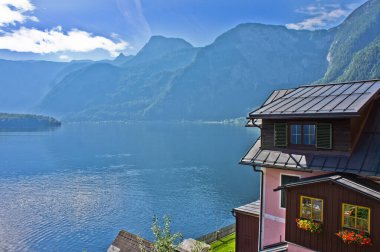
321, 16
64, 57
16, 11
56, 40
53, 40
133, 12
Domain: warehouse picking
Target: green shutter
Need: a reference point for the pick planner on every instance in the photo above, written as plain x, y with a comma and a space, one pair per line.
280, 134
324, 135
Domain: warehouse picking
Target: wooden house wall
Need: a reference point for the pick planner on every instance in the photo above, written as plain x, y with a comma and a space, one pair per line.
247, 232
341, 132
333, 195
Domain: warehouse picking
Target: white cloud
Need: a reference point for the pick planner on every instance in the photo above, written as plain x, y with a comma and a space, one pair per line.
53, 40
16, 11
321, 16
56, 40
64, 57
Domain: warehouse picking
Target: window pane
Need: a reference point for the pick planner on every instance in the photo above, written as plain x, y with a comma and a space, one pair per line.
362, 225
349, 210
306, 213
295, 134
306, 202
362, 213
309, 134
317, 205
349, 222
312, 139
317, 216
286, 179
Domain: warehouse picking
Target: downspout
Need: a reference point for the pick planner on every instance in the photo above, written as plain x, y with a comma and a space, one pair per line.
261, 205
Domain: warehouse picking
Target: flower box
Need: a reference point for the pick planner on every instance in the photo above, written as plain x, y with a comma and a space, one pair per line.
355, 237
309, 225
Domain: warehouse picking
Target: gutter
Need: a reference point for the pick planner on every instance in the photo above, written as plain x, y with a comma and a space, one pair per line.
261, 205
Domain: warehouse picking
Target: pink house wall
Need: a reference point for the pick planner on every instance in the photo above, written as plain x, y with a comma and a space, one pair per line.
274, 215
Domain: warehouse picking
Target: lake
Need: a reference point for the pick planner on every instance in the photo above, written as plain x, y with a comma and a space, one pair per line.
74, 188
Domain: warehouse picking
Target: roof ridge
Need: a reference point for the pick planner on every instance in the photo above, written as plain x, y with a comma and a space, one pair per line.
338, 83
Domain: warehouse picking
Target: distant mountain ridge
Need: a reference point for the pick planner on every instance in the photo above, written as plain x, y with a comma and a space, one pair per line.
169, 79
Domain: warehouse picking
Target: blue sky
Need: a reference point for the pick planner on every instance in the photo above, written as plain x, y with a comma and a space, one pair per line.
97, 29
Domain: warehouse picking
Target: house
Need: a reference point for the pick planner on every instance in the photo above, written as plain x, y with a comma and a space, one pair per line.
319, 159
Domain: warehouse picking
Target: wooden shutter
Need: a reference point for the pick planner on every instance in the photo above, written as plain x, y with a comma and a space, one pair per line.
324, 135
280, 134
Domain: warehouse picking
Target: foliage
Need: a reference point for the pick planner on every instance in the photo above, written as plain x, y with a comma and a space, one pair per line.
355, 237
365, 64
164, 241
309, 225
355, 33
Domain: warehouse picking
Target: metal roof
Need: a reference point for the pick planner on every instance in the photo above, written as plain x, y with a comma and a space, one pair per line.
364, 159
252, 208
364, 186
322, 100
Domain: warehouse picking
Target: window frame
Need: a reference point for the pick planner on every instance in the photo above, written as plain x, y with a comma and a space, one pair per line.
283, 191
311, 198
302, 144
356, 218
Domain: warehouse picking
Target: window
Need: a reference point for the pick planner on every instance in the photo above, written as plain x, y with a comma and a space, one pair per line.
311, 208
356, 217
286, 179
295, 134
309, 134
302, 134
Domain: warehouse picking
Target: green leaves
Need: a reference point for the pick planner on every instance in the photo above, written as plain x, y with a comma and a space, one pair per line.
164, 241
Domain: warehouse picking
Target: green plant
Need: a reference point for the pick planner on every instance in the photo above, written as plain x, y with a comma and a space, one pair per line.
164, 241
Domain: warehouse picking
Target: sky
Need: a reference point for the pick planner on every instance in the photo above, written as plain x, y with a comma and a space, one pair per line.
64, 30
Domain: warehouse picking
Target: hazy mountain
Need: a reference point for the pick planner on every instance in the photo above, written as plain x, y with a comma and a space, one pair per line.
25, 83
357, 38
169, 79
240, 69
103, 91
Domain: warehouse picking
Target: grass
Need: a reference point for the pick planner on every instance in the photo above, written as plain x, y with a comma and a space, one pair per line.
226, 244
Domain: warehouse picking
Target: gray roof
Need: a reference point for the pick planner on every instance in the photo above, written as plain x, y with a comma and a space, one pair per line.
127, 242
252, 208
364, 159
355, 183
323, 100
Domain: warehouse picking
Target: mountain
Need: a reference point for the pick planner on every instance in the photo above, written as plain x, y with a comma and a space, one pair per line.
243, 65
25, 83
357, 38
169, 79
104, 91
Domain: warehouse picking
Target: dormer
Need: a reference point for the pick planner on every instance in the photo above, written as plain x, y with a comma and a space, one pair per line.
329, 127
326, 117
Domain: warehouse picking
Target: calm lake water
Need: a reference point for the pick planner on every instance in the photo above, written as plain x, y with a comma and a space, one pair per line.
74, 188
